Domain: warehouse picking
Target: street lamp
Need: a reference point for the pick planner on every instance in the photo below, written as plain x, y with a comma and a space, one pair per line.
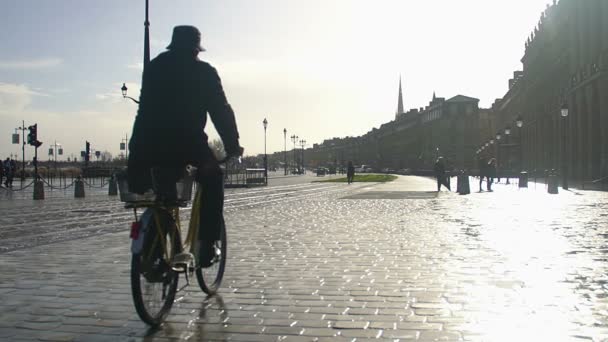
265, 123
146, 52
22, 128
564, 113
285, 150
508, 150
294, 138
564, 109
124, 146
498, 161
53, 148
124, 89
303, 143
519, 122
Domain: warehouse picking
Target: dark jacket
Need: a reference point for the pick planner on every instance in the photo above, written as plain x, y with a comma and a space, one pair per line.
350, 170
178, 91
439, 168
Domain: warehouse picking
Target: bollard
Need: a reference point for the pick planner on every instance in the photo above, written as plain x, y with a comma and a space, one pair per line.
523, 179
38, 189
113, 187
78, 188
463, 187
552, 184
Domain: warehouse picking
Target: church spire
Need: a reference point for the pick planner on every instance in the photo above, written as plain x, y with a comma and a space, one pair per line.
400, 100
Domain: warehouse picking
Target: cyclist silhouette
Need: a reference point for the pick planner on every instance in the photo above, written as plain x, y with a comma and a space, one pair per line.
178, 90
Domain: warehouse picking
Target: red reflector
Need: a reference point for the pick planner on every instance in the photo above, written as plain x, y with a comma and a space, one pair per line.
135, 230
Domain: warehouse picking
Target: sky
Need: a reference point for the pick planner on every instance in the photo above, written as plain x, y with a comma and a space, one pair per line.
319, 68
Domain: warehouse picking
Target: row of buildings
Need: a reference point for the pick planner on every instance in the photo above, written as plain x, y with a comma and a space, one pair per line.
565, 65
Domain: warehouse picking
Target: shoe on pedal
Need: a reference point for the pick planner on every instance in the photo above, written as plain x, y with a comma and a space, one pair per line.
206, 253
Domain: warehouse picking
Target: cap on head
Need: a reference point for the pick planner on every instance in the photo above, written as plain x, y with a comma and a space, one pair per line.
186, 37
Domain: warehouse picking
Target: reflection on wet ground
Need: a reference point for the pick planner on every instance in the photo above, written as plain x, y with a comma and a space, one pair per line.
550, 268
327, 262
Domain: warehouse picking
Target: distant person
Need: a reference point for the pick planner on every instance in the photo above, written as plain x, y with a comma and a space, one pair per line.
491, 172
14, 168
177, 92
8, 171
350, 172
1, 172
483, 171
440, 174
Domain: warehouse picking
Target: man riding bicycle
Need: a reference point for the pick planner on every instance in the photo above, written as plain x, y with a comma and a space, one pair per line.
178, 90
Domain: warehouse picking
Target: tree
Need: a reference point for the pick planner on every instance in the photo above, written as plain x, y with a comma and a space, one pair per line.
106, 156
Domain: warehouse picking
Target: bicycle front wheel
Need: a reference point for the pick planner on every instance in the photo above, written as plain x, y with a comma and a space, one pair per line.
210, 278
153, 281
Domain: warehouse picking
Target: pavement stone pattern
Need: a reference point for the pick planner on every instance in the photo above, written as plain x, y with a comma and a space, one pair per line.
326, 262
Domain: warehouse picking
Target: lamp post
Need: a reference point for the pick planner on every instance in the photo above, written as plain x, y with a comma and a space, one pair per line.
508, 151
124, 89
519, 122
265, 123
53, 148
498, 161
285, 150
146, 53
22, 128
294, 139
124, 146
303, 143
564, 113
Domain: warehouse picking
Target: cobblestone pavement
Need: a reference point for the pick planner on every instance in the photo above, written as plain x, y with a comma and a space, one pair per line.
326, 262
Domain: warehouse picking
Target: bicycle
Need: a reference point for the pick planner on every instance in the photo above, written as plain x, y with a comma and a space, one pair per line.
158, 253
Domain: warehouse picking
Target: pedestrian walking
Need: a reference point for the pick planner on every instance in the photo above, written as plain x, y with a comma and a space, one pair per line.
483, 171
8, 172
14, 169
1, 172
491, 173
350, 172
439, 169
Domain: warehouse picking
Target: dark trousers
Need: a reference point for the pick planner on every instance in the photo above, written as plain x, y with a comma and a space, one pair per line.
442, 180
211, 180
350, 177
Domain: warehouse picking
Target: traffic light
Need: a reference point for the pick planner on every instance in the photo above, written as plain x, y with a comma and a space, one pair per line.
87, 151
32, 136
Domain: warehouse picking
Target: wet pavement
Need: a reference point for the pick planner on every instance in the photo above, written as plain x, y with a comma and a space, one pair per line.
325, 262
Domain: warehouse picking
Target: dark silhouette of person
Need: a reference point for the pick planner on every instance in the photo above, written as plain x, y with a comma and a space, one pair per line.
1, 172
491, 173
350, 172
440, 174
483, 171
14, 169
178, 90
9, 172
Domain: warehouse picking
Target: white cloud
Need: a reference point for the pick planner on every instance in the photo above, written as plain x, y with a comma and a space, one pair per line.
16, 97
31, 64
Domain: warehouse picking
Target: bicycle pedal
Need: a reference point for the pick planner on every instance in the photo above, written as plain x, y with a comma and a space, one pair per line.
182, 262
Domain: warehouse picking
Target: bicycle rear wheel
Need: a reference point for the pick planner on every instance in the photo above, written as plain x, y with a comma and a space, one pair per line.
153, 281
210, 278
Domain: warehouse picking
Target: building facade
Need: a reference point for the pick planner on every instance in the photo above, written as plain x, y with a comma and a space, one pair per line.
565, 64
414, 140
